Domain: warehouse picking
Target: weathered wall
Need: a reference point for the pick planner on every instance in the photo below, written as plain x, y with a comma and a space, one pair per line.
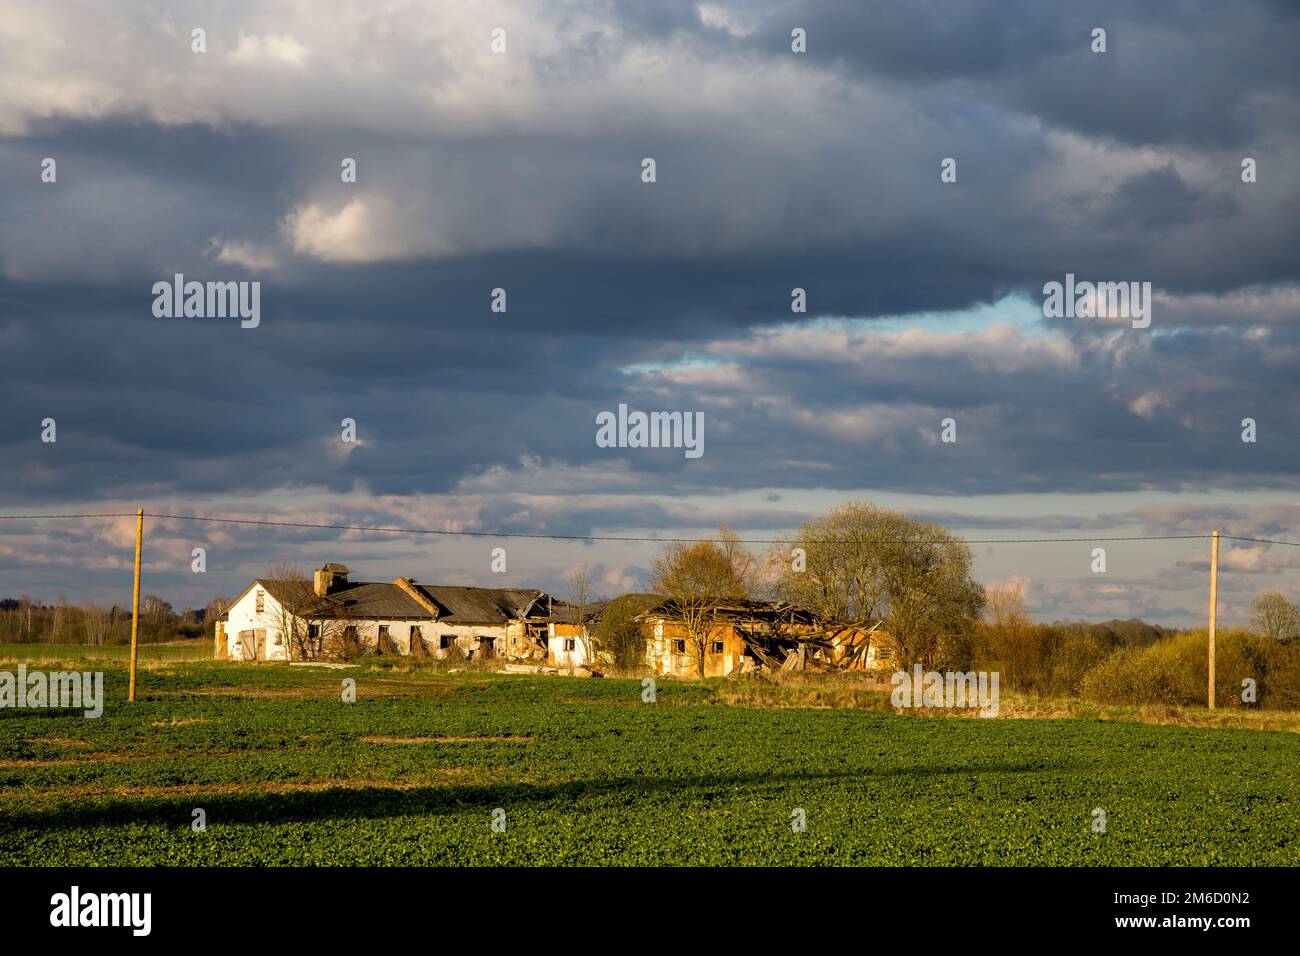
558, 654
663, 655
462, 640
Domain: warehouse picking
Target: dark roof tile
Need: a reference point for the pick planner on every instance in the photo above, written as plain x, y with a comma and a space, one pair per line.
466, 605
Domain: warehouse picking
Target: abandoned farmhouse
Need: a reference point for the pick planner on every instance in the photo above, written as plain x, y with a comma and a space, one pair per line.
333, 616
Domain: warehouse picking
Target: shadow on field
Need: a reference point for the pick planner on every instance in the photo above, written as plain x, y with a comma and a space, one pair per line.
360, 803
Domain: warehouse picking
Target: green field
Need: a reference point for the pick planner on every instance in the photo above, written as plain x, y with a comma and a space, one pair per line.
588, 774
174, 651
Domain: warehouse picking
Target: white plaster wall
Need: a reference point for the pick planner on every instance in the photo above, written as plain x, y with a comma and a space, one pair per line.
243, 616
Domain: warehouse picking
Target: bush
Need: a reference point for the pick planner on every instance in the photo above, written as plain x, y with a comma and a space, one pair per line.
1175, 671
1073, 653
1282, 688
619, 634
1164, 673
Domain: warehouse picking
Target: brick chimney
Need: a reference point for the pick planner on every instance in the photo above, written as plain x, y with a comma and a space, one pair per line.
328, 578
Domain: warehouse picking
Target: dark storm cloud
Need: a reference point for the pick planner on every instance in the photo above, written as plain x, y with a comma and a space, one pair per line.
832, 187
1175, 72
1160, 198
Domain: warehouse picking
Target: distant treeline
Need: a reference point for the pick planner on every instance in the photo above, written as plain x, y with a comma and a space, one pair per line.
1115, 634
1132, 662
27, 621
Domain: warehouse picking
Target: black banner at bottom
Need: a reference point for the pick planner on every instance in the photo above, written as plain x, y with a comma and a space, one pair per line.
339, 906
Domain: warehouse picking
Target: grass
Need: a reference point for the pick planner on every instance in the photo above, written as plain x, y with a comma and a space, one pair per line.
188, 650
865, 691
286, 773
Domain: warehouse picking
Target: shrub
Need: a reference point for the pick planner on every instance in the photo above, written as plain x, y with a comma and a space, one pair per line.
1164, 673
619, 634
1175, 670
1073, 653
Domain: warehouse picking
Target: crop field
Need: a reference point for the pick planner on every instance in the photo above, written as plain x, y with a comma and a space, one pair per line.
585, 772
174, 651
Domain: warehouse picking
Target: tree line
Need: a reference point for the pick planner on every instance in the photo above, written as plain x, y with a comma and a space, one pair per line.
855, 565
859, 564
24, 620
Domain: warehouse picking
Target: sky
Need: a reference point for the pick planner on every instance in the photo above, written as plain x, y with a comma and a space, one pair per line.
522, 169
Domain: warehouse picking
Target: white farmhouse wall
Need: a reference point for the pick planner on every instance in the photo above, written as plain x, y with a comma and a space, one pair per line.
558, 650
244, 617
465, 639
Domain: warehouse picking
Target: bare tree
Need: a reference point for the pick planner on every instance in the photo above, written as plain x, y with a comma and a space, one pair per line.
94, 623
157, 619
311, 626
860, 563
745, 568
1012, 638
697, 578
579, 596
60, 619
1273, 615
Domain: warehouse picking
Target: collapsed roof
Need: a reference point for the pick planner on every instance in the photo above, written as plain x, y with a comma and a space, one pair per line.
739, 610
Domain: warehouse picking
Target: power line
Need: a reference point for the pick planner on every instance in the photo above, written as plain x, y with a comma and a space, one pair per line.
34, 517
595, 537
1288, 544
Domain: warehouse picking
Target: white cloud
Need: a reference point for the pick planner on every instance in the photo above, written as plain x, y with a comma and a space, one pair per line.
383, 64
1000, 348
249, 255
365, 229
270, 47
1147, 404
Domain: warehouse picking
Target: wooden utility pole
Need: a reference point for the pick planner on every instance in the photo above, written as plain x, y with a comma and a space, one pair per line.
135, 599
1214, 605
